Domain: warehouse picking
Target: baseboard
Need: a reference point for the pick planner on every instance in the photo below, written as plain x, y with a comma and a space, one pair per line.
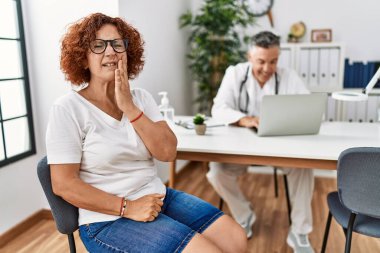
46, 214
9, 235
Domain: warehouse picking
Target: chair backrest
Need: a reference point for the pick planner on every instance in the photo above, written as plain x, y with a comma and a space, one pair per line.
65, 214
359, 180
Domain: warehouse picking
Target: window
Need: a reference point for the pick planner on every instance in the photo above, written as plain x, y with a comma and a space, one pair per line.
16, 122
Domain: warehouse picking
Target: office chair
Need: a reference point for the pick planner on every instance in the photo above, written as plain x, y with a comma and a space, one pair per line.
221, 201
356, 204
65, 214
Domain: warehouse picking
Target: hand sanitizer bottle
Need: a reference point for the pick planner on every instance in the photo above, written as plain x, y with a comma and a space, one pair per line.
166, 110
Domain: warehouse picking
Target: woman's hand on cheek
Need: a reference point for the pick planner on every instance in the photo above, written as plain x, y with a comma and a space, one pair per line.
123, 94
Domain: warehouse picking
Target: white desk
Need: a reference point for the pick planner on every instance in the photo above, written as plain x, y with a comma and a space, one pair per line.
241, 145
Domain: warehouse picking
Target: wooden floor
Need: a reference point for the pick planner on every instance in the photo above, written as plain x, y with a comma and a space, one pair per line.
269, 231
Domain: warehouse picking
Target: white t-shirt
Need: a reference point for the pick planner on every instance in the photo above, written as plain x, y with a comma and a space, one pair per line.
227, 105
113, 158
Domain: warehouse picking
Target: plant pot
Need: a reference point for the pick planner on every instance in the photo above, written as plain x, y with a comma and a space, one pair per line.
200, 129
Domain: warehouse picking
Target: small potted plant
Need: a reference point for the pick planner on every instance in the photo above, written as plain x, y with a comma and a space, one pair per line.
200, 126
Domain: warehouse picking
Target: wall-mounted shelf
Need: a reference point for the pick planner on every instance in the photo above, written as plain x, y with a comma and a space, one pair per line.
320, 65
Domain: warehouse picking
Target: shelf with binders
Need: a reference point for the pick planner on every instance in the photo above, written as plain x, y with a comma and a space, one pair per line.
321, 65
356, 77
323, 68
358, 74
363, 111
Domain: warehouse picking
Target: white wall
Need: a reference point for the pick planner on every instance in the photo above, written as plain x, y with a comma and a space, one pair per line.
165, 48
353, 22
44, 23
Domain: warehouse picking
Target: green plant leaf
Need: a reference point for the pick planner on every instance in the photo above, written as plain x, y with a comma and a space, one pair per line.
199, 119
216, 41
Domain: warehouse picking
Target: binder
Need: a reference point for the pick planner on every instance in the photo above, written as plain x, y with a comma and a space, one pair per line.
361, 111
356, 75
351, 81
377, 65
347, 70
372, 107
331, 109
350, 115
303, 67
361, 82
324, 67
366, 73
334, 66
371, 69
313, 67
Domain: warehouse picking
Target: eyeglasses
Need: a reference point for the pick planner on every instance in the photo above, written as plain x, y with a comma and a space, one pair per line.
98, 46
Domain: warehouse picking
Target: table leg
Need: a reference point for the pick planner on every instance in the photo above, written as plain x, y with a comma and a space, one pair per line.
205, 166
172, 174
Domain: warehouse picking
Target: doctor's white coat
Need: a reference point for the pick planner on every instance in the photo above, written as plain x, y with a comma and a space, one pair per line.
228, 106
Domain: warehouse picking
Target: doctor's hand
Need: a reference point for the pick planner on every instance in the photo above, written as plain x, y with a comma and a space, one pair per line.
249, 121
123, 94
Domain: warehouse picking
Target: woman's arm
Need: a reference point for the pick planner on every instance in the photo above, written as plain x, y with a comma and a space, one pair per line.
67, 184
157, 136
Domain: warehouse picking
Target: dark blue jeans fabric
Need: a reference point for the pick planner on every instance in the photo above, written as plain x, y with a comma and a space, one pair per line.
181, 217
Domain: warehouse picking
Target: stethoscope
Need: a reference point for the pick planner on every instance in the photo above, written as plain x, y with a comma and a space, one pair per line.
246, 94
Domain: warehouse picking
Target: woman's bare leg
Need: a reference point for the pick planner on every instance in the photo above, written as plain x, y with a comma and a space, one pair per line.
200, 243
227, 235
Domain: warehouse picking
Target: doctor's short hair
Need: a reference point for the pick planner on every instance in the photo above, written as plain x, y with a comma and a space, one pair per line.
265, 39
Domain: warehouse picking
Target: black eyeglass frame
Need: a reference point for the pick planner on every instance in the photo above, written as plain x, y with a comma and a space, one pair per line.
110, 42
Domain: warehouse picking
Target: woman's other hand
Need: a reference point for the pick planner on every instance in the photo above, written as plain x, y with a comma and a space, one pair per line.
145, 208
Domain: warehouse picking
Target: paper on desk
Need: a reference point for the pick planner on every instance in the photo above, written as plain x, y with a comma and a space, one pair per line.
188, 124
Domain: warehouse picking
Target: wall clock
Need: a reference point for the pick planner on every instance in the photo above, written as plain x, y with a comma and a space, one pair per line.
260, 8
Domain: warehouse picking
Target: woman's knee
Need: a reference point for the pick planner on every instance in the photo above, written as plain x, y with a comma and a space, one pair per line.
227, 235
199, 243
237, 234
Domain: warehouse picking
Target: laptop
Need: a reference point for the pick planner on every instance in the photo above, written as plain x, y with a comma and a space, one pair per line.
291, 114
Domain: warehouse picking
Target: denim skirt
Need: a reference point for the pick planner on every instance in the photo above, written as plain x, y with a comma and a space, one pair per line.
181, 217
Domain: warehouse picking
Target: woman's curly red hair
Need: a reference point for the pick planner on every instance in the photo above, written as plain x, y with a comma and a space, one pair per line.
75, 45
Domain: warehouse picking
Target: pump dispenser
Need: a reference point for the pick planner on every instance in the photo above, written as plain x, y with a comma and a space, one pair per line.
166, 110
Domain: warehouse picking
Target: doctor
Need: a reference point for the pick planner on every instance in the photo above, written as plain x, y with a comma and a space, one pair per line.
238, 102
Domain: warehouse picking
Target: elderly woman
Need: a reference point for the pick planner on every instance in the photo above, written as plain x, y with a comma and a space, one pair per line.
101, 141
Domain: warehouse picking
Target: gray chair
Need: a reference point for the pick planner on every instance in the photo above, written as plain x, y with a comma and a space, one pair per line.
356, 204
65, 214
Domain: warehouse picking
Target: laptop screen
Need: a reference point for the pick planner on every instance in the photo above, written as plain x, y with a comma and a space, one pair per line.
291, 114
